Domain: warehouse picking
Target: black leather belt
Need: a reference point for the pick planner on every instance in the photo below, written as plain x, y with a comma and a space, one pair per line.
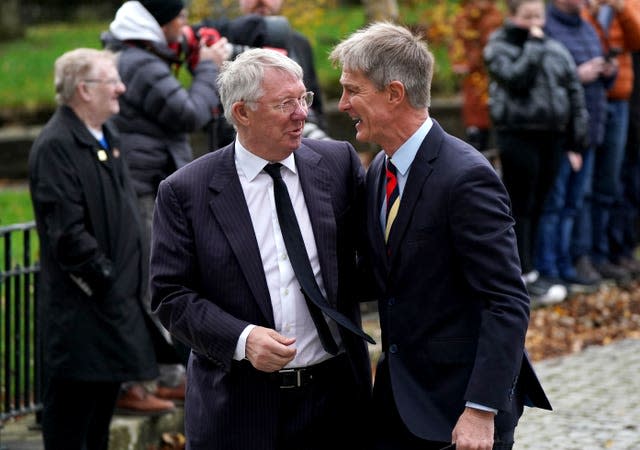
303, 376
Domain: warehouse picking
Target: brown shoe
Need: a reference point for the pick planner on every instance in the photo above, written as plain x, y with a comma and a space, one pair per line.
136, 401
171, 393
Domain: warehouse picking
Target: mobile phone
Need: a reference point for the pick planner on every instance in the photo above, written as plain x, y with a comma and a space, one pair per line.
612, 53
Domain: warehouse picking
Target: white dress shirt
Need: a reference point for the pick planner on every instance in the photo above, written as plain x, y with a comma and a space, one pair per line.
290, 311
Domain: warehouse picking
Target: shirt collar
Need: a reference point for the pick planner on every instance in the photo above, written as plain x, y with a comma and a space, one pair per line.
251, 164
406, 153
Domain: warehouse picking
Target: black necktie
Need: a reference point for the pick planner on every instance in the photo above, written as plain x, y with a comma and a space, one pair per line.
294, 243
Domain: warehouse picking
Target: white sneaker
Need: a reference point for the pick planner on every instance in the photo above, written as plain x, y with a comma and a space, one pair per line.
556, 293
530, 277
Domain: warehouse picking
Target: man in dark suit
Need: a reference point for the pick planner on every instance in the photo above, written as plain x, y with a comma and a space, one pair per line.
453, 307
225, 278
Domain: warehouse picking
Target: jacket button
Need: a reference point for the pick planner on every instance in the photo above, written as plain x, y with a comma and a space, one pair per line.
393, 348
391, 301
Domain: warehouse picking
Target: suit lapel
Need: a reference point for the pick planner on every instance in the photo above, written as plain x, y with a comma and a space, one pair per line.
229, 208
421, 169
316, 187
376, 179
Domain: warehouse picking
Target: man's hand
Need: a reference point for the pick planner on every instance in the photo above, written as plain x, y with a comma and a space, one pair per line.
590, 70
218, 52
474, 430
536, 32
575, 160
267, 350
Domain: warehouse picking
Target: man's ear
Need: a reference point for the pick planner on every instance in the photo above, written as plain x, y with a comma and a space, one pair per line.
396, 92
239, 110
82, 90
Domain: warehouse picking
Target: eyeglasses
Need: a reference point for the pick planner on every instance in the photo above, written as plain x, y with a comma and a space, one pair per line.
290, 105
111, 81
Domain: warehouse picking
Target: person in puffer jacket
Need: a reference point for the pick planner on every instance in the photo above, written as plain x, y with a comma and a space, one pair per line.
156, 116
538, 110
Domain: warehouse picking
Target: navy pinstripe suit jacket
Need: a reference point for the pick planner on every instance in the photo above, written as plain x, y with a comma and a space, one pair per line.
208, 284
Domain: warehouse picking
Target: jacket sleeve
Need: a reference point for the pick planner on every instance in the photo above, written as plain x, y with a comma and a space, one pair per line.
483, 236
58, 197
578, 127
161, 96
629, 19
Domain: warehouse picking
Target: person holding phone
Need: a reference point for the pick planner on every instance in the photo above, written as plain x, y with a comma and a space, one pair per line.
617, 23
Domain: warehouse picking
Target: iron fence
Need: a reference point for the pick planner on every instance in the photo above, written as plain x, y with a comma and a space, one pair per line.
20, 350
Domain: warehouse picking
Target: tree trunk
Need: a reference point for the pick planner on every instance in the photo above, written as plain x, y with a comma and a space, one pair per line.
381, 10
10, 24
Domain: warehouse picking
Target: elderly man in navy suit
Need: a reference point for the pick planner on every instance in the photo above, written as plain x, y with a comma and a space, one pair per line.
453, 307
253, 265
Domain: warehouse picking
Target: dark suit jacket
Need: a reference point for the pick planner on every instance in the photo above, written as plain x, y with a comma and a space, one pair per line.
208, 283
453, 308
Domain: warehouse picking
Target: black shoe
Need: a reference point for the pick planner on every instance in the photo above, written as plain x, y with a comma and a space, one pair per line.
610, 271
630, 264
586, 272
579, 285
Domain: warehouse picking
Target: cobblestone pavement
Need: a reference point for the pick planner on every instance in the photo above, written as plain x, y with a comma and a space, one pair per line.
596, 401
594, 394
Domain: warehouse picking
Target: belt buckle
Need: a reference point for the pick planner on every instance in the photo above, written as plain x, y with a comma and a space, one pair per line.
296, 380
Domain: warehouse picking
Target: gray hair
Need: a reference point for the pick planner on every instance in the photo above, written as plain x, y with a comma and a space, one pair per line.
74, 66
385, 52
241, 79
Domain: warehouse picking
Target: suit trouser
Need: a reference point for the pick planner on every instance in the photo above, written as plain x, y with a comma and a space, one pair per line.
327, 413
77, 414
390, 432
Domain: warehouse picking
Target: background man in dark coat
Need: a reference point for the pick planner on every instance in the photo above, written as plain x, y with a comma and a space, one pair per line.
94, 329
224, 281
453, 307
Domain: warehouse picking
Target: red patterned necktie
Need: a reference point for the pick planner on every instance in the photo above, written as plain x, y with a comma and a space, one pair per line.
393, 197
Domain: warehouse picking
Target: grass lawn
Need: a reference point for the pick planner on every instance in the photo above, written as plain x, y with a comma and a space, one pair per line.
15, 208
26, 66
15, 204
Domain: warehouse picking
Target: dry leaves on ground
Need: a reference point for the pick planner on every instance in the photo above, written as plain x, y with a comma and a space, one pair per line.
608, 315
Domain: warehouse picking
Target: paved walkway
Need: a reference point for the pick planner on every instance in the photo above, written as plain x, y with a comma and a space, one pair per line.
596, 400
595, 395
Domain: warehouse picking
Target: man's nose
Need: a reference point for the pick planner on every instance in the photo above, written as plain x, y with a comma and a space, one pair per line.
343, 103
301, 112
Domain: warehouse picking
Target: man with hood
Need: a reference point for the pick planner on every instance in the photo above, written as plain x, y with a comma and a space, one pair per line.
157, 113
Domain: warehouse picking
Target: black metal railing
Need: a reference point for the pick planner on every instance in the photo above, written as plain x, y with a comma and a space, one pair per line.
20, 350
